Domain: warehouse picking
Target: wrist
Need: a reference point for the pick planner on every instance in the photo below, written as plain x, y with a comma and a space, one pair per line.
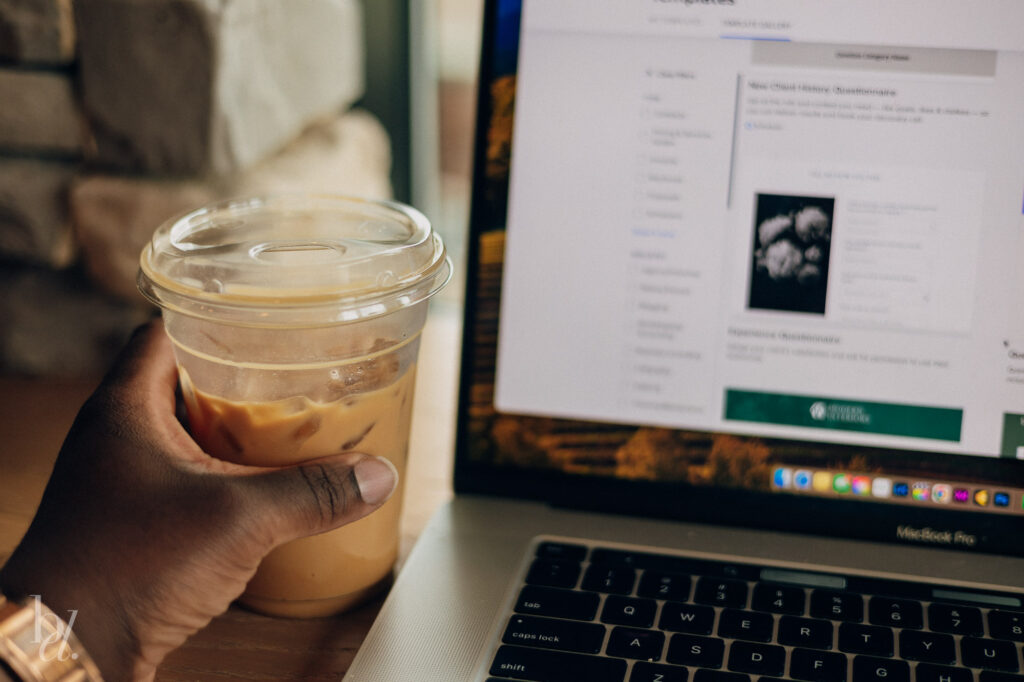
36, 645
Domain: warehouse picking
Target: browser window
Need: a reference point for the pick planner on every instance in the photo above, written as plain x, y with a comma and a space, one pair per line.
798, 223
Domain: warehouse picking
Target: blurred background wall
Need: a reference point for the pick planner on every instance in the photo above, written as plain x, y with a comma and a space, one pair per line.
116, 115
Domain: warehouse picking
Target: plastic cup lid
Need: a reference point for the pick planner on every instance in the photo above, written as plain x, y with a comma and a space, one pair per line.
285, 261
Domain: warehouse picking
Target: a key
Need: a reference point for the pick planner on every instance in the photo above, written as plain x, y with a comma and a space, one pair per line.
645, 645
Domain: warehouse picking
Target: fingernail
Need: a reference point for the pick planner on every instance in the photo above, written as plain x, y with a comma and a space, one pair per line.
376, 478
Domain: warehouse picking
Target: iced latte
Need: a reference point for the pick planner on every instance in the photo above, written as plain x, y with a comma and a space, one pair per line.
295, 324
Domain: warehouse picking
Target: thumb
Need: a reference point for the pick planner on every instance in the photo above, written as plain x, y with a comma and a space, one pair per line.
318, 495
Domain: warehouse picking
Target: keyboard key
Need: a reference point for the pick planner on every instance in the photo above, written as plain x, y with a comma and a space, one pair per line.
991, 654
556, 603
645, 645
870, 669
657, 672
696, 620
721, 592
833, 605
746, 625
549, 633
553, 573
700, 651
615, 580
957, 620
897, 613
927, 672
758, 659
991, 676
719, 676
669, 586
638, 613
776, 599
866, 639
540, 665
561, 550
817, 666
805, 632
1006, 625
932, 647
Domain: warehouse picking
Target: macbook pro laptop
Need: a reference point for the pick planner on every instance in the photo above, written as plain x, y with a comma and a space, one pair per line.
742, 389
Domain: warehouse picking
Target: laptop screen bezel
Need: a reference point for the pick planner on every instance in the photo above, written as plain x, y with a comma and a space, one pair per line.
993, 533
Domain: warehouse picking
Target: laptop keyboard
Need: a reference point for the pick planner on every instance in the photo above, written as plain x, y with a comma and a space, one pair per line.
598, 614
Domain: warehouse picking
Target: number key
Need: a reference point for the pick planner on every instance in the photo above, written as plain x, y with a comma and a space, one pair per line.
658, 585
1006, 625
957, 620
837, 606
776, 599
897, 613
721, 592
605, 579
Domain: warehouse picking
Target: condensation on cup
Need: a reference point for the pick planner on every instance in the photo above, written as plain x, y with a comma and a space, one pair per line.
295, 322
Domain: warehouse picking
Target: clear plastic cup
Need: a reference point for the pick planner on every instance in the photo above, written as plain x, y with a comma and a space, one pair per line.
295, 322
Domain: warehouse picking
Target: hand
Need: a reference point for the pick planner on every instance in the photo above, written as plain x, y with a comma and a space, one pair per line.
147, 537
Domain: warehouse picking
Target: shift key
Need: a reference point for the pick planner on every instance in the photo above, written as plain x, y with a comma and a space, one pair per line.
555, 603
522, 663
548, 633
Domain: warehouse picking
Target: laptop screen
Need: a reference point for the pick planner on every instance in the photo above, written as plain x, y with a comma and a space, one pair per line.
754, 255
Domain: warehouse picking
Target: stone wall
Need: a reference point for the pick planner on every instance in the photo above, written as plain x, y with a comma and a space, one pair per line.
116, 115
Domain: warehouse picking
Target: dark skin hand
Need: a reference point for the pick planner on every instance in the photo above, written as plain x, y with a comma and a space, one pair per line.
147, 536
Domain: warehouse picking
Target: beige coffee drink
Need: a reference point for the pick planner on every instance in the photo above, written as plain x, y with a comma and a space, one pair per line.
295, 323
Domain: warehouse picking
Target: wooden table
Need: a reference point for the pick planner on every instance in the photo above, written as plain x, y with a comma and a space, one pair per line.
35, 415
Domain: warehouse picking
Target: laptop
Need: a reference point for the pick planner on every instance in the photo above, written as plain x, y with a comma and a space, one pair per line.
742, 390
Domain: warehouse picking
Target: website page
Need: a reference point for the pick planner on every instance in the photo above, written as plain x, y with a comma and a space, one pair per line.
791, 223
